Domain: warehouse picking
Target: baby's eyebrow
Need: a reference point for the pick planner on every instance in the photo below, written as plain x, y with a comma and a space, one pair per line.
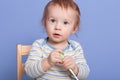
49, 18
68, 19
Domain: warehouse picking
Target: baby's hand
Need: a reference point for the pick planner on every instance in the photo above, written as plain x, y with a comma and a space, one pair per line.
69, 63
54, 57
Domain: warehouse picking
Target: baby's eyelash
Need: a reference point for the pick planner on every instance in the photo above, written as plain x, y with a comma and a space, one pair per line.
52, 20
66, 22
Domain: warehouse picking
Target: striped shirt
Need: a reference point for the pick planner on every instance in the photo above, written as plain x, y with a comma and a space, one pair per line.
41, 49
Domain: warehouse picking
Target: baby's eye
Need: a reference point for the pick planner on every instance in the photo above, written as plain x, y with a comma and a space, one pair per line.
52, 20
66, 22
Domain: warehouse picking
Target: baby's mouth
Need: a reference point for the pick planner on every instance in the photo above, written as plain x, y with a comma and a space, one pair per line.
56, 35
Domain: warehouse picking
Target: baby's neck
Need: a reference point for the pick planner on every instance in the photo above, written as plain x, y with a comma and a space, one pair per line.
59, 45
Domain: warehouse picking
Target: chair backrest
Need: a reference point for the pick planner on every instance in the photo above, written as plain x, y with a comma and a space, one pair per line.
22, 50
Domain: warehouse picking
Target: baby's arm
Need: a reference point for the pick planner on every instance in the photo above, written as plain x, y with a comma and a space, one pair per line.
83, 68
33, 64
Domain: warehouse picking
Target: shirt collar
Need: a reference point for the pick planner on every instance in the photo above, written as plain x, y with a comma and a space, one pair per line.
53, 48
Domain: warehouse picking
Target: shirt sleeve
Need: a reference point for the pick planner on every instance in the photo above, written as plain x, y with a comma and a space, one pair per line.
33, 63
81, 62
82, 65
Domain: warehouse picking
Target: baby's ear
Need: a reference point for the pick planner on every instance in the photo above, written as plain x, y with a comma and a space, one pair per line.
75, 30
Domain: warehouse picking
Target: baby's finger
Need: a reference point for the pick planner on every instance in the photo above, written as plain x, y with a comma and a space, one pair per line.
59, 51
59, 60
67, 58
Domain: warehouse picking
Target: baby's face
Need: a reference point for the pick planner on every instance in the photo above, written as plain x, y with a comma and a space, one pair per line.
60, 23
